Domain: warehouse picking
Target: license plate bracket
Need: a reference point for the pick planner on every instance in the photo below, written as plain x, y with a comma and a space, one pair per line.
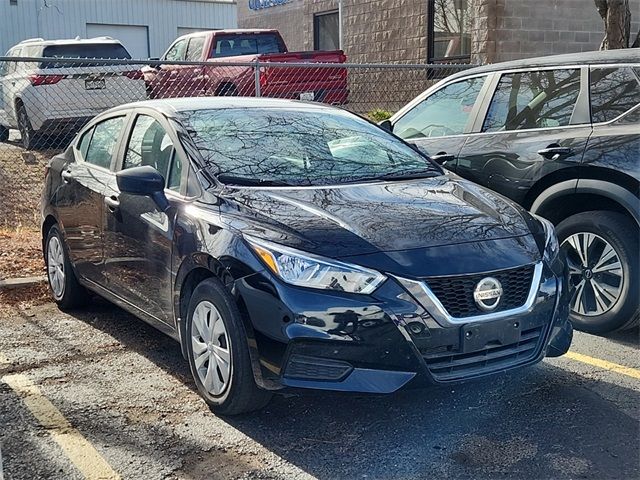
94, 84
478, 336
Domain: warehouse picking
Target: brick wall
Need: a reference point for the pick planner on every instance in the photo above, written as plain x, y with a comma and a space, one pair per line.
528, 28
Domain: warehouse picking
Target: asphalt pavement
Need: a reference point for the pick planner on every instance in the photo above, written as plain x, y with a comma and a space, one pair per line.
99, 393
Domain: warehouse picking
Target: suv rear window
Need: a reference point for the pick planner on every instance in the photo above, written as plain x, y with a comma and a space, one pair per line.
243, 44
614, 91
84, 50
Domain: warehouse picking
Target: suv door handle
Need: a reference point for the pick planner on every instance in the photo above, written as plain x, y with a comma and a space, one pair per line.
554, 152
112, 203
443, 157
67, 176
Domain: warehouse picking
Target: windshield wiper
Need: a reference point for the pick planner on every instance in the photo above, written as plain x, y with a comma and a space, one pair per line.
407, 175
250, 182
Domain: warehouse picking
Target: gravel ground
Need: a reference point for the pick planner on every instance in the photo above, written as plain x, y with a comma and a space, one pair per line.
128, 391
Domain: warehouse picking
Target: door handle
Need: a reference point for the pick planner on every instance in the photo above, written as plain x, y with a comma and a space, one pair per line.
554, 152
443, 157
67, 176
112, 203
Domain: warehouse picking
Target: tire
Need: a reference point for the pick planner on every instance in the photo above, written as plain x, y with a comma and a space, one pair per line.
609, 295
27, 134
4, 134
228, 387
63, 283
227, 90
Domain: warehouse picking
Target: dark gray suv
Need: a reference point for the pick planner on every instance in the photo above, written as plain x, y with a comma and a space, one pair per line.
561, 136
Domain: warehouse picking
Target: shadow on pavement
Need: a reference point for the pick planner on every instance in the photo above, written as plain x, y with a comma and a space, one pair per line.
541, 422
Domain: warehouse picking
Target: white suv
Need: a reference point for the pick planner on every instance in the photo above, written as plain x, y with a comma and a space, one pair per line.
47, 99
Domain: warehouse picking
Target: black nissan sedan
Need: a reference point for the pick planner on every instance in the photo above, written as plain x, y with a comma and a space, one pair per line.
288, 244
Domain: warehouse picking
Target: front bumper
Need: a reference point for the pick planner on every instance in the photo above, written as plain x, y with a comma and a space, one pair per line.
379, 343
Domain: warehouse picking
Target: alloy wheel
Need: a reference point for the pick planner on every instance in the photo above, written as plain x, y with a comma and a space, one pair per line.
211, 348
55, 267
596, 276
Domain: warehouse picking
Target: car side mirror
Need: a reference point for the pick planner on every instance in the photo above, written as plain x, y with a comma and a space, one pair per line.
386, 125
144, 181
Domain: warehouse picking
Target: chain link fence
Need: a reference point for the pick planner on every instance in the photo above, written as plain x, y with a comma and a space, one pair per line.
45, 101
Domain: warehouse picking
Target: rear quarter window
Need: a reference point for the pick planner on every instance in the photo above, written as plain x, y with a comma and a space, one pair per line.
614, 91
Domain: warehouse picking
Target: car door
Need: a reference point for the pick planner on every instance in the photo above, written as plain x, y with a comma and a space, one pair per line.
79, 199
193, 77
438, 123
138, 236
8, 89
535, 124
167, 82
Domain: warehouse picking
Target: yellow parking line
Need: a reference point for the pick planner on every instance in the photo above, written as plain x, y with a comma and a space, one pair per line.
81, 453
596, 362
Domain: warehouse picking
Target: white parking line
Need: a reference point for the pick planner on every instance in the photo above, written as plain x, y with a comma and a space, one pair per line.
81, 453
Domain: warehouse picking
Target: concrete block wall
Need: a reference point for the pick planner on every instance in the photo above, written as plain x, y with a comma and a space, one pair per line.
528, 28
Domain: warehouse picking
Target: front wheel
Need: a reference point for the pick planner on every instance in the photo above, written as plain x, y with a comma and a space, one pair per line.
218, 352
604, 270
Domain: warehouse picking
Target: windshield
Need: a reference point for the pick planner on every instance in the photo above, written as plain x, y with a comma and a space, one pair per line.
282, 146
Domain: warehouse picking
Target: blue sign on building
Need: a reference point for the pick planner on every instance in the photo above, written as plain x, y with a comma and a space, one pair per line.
260, 4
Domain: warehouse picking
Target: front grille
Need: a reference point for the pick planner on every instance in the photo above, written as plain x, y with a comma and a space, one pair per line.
456, 293
457, 366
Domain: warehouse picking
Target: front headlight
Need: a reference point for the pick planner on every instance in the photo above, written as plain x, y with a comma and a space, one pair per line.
307, 270
551, 245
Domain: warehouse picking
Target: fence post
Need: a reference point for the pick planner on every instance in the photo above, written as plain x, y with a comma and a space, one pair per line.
256, 76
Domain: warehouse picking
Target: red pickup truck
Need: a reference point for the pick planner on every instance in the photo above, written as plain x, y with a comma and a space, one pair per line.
212, 77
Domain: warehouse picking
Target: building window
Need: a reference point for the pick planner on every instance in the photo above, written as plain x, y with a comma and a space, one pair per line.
326, 31
449, 31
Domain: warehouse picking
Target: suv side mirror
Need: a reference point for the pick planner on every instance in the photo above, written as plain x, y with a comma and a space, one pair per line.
386, 125
145, 181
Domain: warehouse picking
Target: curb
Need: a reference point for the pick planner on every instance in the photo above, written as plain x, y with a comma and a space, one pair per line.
11, 283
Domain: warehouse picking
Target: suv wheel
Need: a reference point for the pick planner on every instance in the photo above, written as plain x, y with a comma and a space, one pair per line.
218, 352
604, 273
66, 290
4, 134
24, 126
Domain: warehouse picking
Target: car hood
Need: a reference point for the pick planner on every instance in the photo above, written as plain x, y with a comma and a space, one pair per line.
371, 218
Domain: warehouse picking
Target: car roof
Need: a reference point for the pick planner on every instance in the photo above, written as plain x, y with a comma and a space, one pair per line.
627, 55
68, 41
171, 106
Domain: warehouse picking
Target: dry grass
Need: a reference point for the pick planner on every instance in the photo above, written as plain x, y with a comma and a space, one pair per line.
20, 253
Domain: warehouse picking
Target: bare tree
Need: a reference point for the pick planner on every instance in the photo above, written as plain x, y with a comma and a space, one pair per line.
616, 16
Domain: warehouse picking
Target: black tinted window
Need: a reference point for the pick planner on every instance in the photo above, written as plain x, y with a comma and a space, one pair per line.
83, 50
533, 100
613, 92
294, 147
104, 141
233, 45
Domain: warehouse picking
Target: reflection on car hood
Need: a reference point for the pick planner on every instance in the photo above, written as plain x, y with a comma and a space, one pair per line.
371, 218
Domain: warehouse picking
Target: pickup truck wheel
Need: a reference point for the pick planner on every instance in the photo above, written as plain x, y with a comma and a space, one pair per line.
4, 134
604, 270
227, 90
218, 352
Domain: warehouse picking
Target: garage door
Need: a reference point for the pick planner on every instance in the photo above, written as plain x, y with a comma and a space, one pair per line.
135, 38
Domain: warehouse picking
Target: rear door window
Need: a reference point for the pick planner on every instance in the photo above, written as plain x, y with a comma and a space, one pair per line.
539, 99
614, 91
233, 45
104, 142
194, 51
446, 112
